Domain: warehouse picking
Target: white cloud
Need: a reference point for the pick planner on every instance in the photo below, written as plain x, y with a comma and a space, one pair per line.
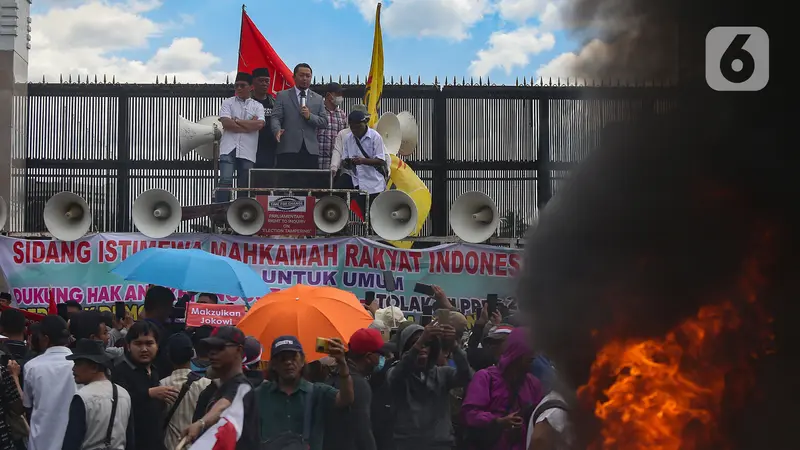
511, 49
84, 38
449, 19
520, 10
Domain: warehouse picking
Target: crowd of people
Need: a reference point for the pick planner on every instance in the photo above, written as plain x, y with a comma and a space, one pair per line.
93, 381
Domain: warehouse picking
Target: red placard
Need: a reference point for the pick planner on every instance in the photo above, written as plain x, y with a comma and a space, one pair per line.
201, 314
288, 215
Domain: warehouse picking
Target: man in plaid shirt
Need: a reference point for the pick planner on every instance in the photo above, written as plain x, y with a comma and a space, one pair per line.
337, 121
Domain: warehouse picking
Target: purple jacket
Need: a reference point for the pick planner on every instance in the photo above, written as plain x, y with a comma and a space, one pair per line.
487, 397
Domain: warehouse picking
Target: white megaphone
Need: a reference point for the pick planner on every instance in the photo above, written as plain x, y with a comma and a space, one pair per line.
388, 127
409, 133
199, 136
246, 216
474, 217
156, 213
331, 214
3, 214
67, 216
393, 215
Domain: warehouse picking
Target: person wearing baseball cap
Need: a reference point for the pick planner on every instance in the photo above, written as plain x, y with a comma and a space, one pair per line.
297, 409
225, 349
353, 428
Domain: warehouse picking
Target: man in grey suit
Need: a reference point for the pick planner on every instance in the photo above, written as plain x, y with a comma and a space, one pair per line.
297, 114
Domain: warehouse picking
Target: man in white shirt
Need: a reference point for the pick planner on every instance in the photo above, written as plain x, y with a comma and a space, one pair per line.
363, 166
49, 386
242, 118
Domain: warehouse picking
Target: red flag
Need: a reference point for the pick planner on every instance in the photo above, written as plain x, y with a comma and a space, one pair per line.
356, 210
52, 309
256, 53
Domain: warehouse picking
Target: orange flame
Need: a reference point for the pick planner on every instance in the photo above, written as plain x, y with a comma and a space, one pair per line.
667, 394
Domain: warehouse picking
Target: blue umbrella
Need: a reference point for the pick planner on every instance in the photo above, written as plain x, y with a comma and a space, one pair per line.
192, 270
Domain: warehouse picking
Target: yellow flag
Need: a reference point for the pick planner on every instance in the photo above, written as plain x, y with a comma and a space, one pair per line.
404, 179
372, 96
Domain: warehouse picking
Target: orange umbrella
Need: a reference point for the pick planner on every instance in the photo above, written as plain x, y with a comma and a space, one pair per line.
306, 312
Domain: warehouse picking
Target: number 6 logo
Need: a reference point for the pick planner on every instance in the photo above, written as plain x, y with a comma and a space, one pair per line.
737, 59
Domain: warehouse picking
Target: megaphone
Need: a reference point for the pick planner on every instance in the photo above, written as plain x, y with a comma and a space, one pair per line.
156, 213
474, 217
388, 127
199, 136
393, 215
3, 214
409, 133
245, 216
67, 216
331, 214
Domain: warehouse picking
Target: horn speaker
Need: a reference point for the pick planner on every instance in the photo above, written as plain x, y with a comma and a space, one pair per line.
474, 217
246, 216
331, 214
67, 216
393, 215
3, 213
199, 136
388, 127
409, 133
156, 213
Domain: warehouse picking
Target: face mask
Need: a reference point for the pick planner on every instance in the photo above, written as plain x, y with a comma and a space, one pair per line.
338, 101
381, 363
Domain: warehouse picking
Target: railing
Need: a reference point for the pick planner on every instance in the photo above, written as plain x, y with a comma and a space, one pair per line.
110, 142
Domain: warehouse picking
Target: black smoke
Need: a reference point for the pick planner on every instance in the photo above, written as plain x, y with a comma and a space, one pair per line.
659, 219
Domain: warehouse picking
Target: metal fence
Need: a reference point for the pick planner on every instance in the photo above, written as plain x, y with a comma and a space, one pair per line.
110, 142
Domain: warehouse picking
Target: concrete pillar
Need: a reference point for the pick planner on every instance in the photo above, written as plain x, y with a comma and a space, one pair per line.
14, 46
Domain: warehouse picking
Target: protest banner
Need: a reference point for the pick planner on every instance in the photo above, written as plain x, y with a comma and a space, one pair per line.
287, 215
200, 314
79, 270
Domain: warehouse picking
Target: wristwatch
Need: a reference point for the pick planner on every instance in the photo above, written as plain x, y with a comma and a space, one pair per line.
202, 424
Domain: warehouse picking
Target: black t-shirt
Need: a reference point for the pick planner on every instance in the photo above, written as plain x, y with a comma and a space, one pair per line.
265, 157
213, 393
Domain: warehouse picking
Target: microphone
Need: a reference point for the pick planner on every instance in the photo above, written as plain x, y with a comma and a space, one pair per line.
302, 98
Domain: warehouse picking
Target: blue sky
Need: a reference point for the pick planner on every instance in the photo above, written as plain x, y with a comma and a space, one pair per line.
334, 36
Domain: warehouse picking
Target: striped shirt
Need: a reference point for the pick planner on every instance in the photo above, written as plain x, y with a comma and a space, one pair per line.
183, 415
337, 121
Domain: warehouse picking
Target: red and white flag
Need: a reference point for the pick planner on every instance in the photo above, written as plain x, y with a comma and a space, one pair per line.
226, 433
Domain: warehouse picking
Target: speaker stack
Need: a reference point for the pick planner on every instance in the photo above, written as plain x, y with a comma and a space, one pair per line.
331, 214
156, 213
67, 216
393, 215
199, 137
474, 217
245, 216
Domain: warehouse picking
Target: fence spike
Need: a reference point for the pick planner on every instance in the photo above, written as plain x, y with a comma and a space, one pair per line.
419, 79
174, 79
488, 81
43, 81
114, 79
70, 79
340, 78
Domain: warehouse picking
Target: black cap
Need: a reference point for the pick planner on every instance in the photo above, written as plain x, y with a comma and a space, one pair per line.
54, 327
333, 88
357, 117
179, 347
91, 350
5, 296
224, 336
244, 76
285, 344
261, 72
